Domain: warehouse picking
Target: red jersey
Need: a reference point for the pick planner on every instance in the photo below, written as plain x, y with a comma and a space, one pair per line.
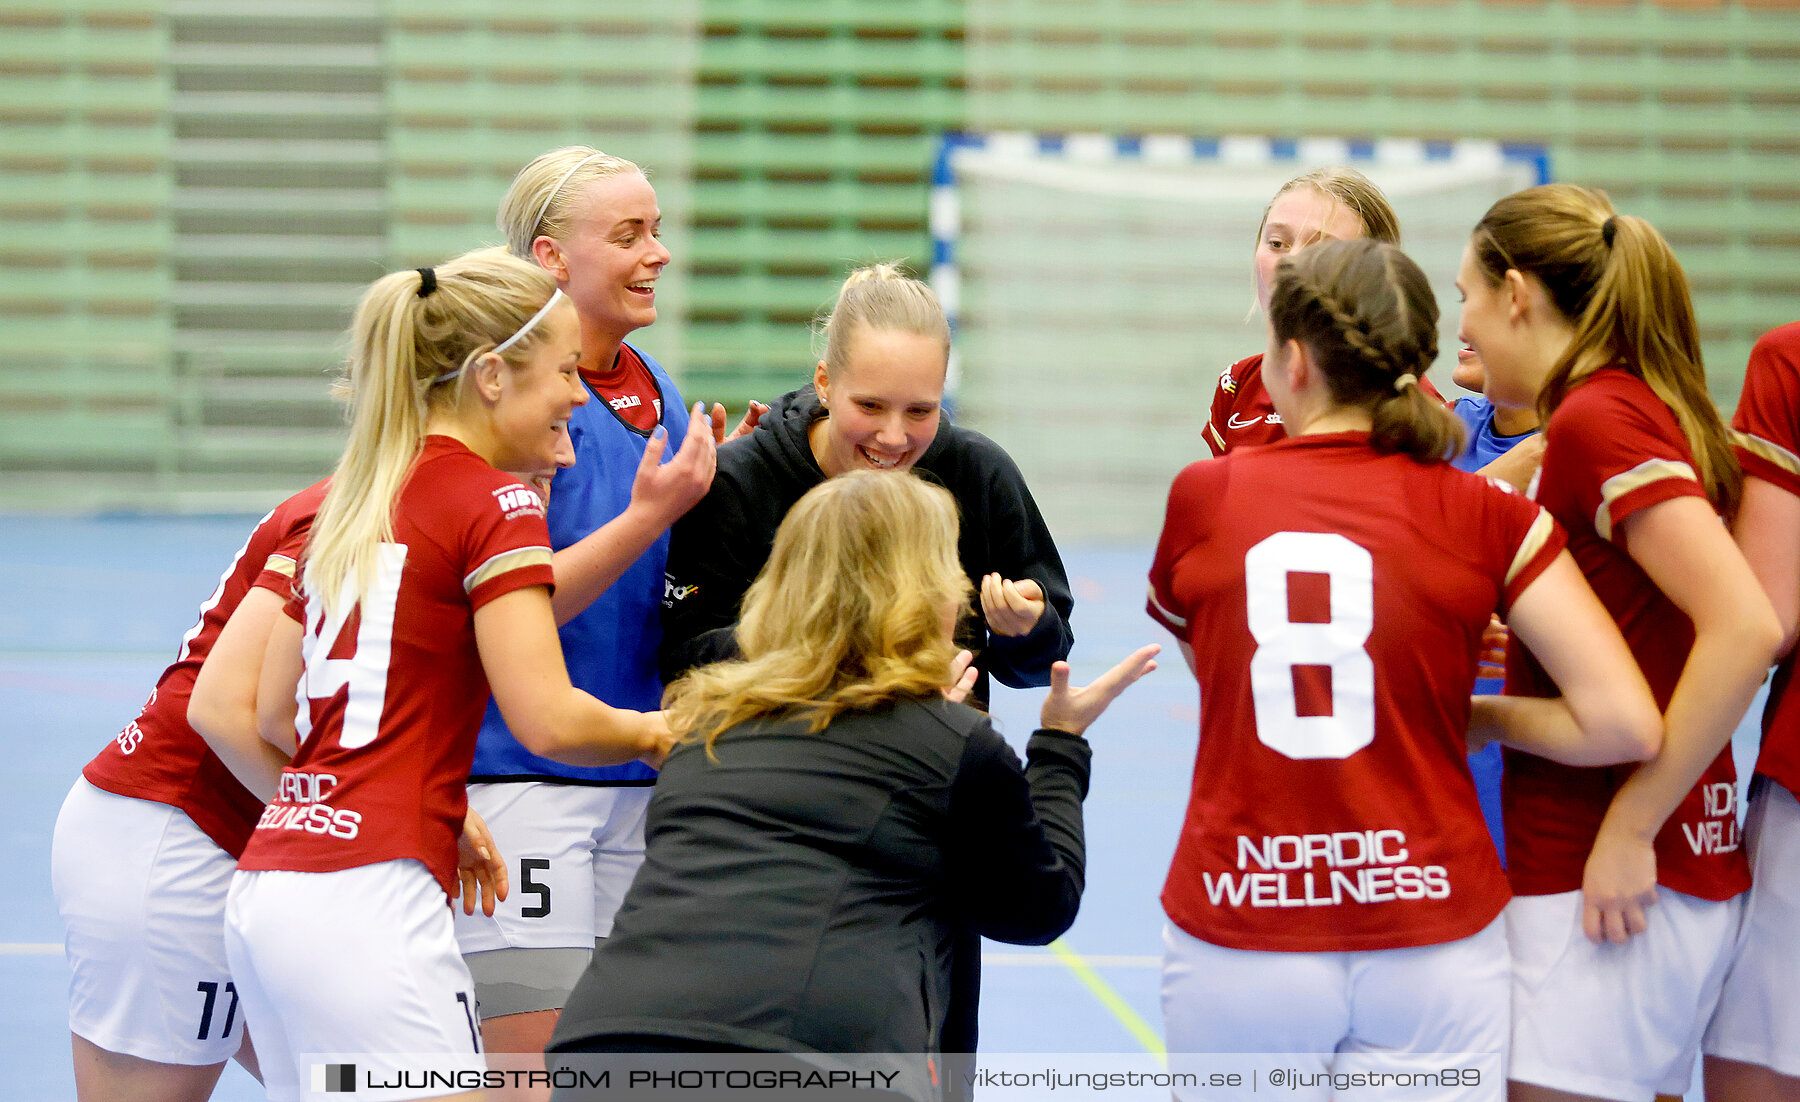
629, 390
1243, 415
1611, 449
158, 756
1768, 446
1335, 598
393, 691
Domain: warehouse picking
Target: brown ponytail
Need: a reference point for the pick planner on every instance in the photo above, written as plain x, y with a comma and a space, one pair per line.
1618, 283
1366, 313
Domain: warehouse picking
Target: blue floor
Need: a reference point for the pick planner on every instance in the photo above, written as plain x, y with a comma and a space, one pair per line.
92, 609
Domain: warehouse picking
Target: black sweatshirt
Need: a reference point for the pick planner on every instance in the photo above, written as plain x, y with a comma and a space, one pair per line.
807, 892
718, 548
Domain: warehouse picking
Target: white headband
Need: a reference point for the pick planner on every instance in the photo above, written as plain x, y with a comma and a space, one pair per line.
530, 324
538, 222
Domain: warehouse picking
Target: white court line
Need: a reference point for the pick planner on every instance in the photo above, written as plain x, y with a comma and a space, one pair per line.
30, 948
1044, 960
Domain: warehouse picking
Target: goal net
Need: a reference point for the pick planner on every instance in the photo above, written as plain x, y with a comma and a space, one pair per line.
1100, 285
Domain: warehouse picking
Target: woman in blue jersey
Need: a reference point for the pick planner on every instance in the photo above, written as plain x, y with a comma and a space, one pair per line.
573, 837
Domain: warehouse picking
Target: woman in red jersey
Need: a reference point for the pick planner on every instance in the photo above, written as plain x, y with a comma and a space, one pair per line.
1588, 312
426, 580
1326, 204
143, 855
1334, 894
1753, 1044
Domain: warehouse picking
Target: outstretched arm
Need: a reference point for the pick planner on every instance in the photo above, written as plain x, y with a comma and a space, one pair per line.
516, 635
1017, 866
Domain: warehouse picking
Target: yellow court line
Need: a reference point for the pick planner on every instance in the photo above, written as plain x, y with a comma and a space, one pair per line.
1111, 1000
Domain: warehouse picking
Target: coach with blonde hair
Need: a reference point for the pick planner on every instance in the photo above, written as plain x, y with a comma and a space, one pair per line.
831, 820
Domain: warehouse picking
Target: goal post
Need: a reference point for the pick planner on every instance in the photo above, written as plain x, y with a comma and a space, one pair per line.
1098, 286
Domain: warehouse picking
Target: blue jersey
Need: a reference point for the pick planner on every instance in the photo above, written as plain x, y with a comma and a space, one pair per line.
611, 646
1485, 446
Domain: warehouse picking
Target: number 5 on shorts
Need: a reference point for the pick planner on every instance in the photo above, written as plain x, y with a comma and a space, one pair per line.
1339, 643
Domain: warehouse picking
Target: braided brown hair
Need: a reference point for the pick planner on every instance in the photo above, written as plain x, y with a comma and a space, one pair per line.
1366, 313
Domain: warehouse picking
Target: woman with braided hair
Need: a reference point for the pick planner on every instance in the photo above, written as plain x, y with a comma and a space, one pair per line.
1333, 893
1586, 312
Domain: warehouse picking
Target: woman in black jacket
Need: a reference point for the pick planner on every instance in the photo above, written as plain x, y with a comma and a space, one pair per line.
832, 821
875, 403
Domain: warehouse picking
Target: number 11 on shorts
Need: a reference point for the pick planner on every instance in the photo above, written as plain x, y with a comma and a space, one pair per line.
210, 989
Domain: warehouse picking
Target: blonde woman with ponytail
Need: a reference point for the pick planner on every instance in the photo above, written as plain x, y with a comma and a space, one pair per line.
1330, 591
426, 581
831, 822
1587, 312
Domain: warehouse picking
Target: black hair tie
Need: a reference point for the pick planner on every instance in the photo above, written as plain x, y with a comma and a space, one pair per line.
427, 280
1608, 229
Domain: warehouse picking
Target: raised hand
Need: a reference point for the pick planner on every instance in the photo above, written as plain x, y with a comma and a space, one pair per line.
1072, 709
671, 489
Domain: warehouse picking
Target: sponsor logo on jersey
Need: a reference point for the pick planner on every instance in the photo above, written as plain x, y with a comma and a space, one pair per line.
1325, 870
1238, 421
519, 501
673, 592
130, 737
299, 805
625, 401
1720, 832
1227, 383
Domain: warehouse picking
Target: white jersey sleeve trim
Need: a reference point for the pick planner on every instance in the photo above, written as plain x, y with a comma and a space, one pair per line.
1535, 538
1164, 614
1625, 482
505, 562
1768, 450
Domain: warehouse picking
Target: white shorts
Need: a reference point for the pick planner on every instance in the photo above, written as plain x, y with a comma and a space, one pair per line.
142, 895
571, 851
1398, 1011
1758, 1019
357, 966
1615, 1021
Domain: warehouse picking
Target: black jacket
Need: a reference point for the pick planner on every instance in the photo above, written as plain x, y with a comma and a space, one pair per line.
718, 548
802, 893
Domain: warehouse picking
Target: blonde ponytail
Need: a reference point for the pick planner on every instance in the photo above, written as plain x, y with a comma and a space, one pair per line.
413, 333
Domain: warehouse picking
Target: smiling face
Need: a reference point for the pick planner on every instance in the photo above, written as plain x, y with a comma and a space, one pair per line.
883, 405
610, 259
1298, 218
1491, 333
531, 415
